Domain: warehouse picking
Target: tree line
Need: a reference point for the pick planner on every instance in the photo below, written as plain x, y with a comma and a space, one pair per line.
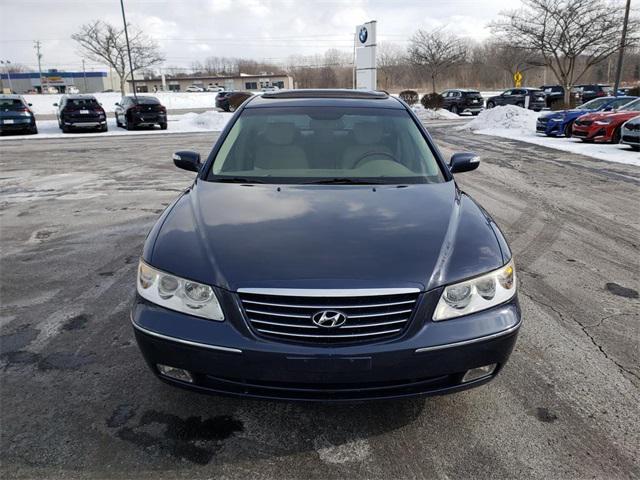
562, 42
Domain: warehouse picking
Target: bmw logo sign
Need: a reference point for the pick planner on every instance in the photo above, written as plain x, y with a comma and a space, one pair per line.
363, 35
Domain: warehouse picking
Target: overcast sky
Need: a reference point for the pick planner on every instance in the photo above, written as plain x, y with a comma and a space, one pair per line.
189, 30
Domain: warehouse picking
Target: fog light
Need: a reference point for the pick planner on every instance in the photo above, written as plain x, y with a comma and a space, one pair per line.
476, 373
175, 373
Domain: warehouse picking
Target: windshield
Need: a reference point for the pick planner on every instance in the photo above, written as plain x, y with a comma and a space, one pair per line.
82, 102
146, 101
11, 104
633, 106
325, 145
595, 104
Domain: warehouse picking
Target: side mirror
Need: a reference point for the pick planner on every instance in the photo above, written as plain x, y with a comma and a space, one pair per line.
187, 160
464, 162
55, 104
117, 104
30, 104
608, 108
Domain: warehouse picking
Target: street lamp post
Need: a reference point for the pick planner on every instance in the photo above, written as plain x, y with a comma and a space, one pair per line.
126, 36
623, 41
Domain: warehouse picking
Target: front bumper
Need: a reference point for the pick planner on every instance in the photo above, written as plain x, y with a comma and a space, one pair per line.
227, 358
16, 124
630, 137
550, 127
595, 133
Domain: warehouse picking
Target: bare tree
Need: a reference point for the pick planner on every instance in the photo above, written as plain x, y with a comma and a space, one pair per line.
437, 51
571, 35
513, 58
102, 42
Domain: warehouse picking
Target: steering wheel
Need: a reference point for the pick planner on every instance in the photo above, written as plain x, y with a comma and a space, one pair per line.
370, 154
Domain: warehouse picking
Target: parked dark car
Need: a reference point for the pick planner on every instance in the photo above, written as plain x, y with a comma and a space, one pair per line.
554, 93
631, 133
585, 93
230, 101
560, 123
80, 112
463, 101
140, 111
519, 97
16, 116
325, 252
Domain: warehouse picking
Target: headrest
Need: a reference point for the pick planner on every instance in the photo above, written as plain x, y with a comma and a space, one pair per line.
280, 133
367, 133
319, 124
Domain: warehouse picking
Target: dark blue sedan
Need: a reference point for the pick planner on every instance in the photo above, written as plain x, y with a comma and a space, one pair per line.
325, 252
560, 123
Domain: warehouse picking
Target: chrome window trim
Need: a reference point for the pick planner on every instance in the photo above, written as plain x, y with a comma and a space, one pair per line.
321, 292
471, 341
183, 341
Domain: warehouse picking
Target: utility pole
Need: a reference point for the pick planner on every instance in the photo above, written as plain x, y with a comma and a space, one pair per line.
623, 41
126, 36
84, 77
37, 46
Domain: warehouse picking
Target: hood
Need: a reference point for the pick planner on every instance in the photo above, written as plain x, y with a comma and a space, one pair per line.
616, 116
313, 236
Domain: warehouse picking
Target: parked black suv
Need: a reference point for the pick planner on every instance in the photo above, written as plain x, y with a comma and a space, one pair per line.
230, 101
15, 115
80, 111
555, 94
584, 93
140, 111
463, 101
518, 97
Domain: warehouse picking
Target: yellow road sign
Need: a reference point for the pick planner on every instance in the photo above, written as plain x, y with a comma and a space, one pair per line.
517, 79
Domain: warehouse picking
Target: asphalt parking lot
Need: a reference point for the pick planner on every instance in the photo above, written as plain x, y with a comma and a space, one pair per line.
78, 401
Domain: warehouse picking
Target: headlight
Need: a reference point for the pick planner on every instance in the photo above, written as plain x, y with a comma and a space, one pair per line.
557, 118
602, 122
177, 293
477, 294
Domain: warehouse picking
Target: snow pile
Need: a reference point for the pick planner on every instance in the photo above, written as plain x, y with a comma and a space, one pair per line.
212, 121
508, 117
430, 114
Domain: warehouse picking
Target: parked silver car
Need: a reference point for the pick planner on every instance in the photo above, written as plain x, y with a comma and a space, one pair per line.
631, 133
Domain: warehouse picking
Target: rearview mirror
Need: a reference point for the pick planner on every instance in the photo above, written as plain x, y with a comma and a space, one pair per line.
464, 162
187, 160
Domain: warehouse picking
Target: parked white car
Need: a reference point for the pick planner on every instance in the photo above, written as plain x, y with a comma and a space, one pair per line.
215, 88
195, 88
72, 90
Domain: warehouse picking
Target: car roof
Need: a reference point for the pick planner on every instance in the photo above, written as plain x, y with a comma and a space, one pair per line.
79, 96
325, 97
12, 96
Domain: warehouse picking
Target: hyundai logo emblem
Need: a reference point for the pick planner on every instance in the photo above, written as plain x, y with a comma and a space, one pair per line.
363, 34
329, 319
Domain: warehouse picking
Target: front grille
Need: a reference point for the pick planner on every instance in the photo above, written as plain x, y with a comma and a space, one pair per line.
289, 317
632, 126
630, 139
577, 133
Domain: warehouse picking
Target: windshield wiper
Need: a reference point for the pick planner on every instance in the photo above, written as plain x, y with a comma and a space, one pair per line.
223, 179
343, 181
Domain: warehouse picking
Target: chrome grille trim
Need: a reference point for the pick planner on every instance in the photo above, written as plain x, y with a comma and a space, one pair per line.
290, 317
321, 292
253, 302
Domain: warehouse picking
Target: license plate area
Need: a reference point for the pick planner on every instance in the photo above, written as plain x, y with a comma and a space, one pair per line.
329, 365
84, 112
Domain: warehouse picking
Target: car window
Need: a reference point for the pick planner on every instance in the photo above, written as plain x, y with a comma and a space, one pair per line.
11, 104
301, 144
507, 92
619, 102
632, 107
146, 101
82, 102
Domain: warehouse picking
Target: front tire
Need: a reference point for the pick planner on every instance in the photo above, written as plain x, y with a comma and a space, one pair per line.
127, 124
454, 109
66, 129
118, 124
568, 130
520, 104
490, 104
232, 108
163, 126
617, 136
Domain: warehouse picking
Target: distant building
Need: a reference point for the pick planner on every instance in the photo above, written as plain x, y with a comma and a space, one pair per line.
240, 82
85, 82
